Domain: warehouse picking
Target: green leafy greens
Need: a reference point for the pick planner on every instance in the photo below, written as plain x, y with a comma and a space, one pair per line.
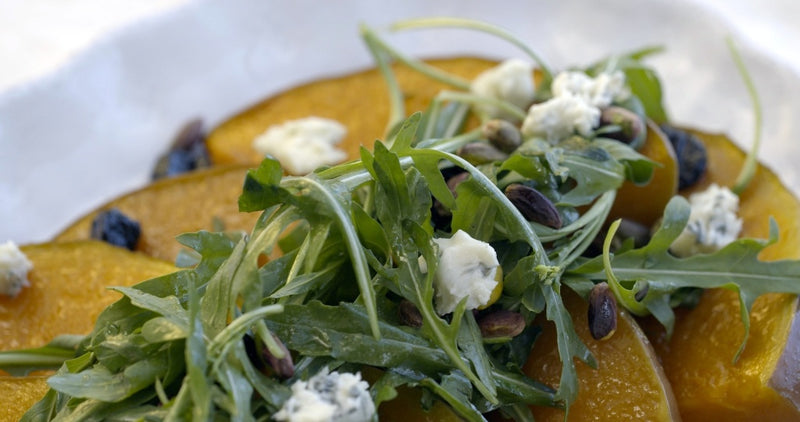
201, 343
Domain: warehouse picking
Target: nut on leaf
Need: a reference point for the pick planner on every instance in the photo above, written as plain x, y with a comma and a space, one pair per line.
409, 314
533, 205
632, 128
503, 134
501, 323
478, 153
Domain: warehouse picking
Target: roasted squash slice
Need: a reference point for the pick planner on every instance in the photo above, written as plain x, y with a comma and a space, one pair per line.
645, 204
67, 293
360, 101
628, 384
699, 358
170, 207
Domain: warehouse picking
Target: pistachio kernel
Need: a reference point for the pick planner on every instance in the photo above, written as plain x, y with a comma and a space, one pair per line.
630, 229
533, 205
501, 324
409, 314
642, 287
503, 134
260, 357
632, 129
602, 312
478, 153
283, 367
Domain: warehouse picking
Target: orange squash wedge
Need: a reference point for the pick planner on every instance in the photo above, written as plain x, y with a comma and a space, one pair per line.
359, 101
170, 207
18, 394
628, 385
699, 358
67, 293
645, 204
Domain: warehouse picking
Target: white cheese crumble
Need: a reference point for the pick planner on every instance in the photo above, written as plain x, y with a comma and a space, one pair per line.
302, 145
599, 91
560, 117
14, 267
713, 222
511, 81
575, 106
467, 268
328, 397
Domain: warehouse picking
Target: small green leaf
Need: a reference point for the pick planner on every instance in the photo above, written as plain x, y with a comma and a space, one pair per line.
99, 384
405, 137
261, 187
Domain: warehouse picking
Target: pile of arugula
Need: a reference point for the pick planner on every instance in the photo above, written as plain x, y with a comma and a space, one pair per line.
192, 344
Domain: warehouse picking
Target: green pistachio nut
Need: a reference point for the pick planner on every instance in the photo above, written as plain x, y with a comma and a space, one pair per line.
478, 153
501, 323
503, 134
631, 128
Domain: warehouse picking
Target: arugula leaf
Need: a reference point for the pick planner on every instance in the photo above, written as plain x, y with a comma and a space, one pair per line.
456, 390
470, 342
638, 168
100, 384
735, 267
315, 329
51, 356
593, 169
196, 358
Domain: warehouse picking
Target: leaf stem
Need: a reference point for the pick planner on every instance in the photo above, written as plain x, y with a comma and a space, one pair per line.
623, 295
359, 259
479, 26
473, 99
751, 161
418, 65
397, 107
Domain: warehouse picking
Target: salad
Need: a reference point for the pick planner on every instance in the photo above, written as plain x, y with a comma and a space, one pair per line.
430, 264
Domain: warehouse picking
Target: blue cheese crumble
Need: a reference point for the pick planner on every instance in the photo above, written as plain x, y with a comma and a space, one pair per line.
328, 397
600, 91
510, 81
559, 117
467, 268
302, 145
14, 267
713, 222
575, 105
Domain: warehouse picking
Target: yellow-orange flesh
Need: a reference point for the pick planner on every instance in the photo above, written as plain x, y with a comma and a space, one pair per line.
67, 293
170, 207
359, 101
698, 359
628, 384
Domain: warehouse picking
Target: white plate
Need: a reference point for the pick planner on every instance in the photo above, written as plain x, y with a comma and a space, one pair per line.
91, 131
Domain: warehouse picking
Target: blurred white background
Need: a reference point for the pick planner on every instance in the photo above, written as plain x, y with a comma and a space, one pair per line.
39, 36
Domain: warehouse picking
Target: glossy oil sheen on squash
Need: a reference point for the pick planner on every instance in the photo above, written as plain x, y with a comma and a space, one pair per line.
182, 204
67, 293
698, 359
628, 384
